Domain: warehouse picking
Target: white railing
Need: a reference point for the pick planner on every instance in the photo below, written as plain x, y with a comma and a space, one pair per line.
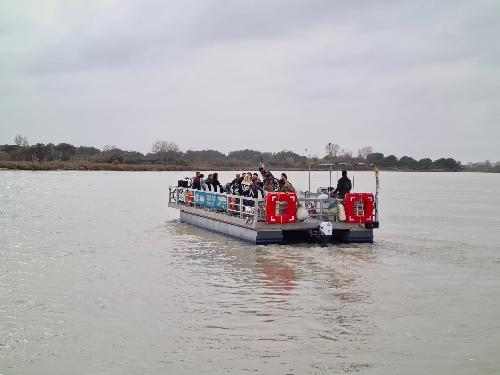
229, 204
246, 207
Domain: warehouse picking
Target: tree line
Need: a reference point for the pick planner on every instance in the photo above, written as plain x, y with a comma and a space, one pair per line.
164, 152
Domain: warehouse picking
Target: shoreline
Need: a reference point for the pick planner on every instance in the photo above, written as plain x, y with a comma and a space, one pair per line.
122, 167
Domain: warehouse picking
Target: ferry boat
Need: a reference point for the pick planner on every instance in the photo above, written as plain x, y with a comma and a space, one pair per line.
280, 218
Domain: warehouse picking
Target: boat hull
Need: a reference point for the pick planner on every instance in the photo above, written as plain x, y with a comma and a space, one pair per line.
266, 236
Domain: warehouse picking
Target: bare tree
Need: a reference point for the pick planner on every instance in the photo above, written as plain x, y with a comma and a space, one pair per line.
164, 146
363, 152
21, 141
333, 150
109, 147
345, 154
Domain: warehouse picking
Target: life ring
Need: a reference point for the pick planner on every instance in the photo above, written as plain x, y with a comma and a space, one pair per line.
359, 207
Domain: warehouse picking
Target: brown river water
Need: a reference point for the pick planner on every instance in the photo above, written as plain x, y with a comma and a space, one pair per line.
98, 276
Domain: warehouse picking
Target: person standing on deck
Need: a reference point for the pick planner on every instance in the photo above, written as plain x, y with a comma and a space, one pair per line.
197, 181
215, 182
208, 183
255, 190
344, 186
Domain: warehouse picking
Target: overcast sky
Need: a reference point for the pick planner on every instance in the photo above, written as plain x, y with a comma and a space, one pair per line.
408, 78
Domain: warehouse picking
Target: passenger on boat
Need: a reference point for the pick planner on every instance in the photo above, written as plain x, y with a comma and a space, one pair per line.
245, 188
284, 185
236, 180
265, 173
202, 182
344, 186
208, 183
197, 181
255, 190
215, 182
246, 180
255, 176
268, 185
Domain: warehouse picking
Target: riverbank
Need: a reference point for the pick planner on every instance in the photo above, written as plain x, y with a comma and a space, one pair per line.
86, 166
92, 166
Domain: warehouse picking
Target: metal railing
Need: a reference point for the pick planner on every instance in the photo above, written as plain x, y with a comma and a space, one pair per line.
321, 209
232, 205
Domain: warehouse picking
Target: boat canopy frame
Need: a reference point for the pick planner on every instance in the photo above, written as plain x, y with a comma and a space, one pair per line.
336, 164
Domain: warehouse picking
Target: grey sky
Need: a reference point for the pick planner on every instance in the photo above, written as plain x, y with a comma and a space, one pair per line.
414, 78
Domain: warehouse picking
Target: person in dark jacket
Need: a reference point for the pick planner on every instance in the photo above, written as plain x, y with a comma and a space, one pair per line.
265, 173
215, 182
256, 190
236, 180
344, 186
208, 183
197, 181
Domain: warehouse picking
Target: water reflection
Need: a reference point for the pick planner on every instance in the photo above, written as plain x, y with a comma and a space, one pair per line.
293, 294
279, 275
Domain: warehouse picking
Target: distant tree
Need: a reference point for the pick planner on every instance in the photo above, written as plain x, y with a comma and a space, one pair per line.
345, 155
109, 147
246, 157
375, 157
390, 161
21, 141
86, 153
286, 158
39, 152
65, 151
164, 146
333, 150
164, 151
205, 156
407, 162
363, 152
50, 152
111, 154
424, 164
448, 163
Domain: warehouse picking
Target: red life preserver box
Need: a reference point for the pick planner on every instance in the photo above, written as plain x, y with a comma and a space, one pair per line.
359, 207
273, 200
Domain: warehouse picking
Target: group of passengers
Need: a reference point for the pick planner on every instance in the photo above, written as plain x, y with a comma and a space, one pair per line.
211, 183
245, 184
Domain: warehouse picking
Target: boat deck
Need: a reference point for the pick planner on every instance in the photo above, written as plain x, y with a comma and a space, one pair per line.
245, 217
261, 225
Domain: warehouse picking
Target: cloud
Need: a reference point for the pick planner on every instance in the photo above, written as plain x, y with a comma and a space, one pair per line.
416, 78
